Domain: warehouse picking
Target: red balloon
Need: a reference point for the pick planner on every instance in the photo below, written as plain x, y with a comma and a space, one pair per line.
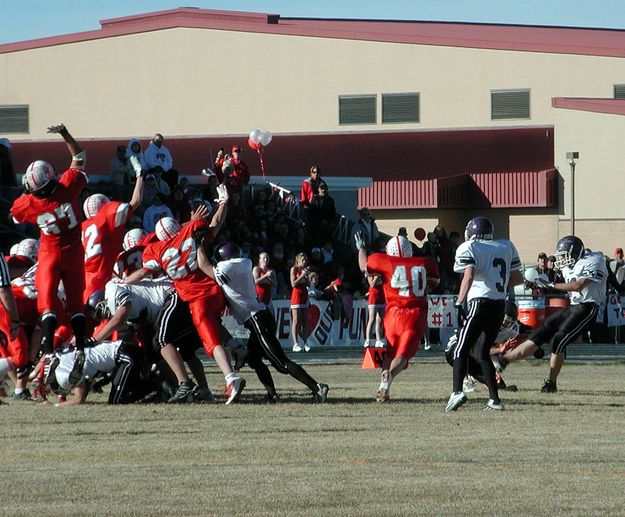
419, 234
252, 144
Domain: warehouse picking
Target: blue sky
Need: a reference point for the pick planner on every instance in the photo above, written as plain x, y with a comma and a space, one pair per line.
29, 19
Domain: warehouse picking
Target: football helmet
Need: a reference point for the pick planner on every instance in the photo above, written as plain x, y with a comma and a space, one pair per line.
133, 238
227, 251
40, 179
28, 248
399, 246
93, 203
479, 228
568, 251
13, 250
166, 228
98, 306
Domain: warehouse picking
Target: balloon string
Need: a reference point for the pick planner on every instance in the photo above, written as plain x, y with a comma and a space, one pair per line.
262, 163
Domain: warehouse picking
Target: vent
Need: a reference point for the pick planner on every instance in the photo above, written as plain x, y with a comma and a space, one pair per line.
619, 91
508, 104
14, 119
357, 109
400, 107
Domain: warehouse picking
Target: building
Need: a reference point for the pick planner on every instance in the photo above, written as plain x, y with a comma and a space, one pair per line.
450, 120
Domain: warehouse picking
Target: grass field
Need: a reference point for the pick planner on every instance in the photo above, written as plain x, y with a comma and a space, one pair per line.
545, 455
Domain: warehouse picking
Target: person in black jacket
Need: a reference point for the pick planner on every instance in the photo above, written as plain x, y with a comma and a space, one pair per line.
322, 214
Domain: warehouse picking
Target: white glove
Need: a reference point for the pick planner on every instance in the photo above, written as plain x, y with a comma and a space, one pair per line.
136, 165
359, 239
222, 195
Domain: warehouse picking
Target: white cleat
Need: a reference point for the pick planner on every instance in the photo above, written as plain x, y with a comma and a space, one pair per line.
492, 406
456, 400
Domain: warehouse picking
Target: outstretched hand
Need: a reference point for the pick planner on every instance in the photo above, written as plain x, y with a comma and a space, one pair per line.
59, 128
222, 194
359, 239
201, 212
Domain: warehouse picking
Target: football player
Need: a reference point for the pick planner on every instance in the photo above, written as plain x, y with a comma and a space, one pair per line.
9, 321
234, 274
131, 258
103, 231
52, 203
406, 280
585, 278
488, 268
176, 254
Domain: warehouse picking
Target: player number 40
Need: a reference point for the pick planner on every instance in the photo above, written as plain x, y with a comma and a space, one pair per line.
405, 285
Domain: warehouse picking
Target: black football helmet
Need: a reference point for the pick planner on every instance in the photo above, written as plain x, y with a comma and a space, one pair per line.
568, 251
227, 251
98, 307
479, 228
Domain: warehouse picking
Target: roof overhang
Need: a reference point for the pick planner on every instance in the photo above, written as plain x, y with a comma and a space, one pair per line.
594, 105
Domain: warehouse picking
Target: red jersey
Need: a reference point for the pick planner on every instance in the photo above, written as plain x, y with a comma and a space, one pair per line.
405, 278
177, 257
58, 215
102, 237
128, 261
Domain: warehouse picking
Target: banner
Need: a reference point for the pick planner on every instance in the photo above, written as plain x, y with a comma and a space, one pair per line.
616, 314
325, 331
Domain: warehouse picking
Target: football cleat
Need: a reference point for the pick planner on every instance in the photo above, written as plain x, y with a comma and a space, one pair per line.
322, 393
184, 393
368, 343
234, 389
456, 399
203, 395
24, 395
380, 343
306, 347
491, 405
469, 385
549, 387
297, 348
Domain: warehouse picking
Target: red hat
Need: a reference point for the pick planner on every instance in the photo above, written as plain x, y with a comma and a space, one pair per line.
618, 251
236, 148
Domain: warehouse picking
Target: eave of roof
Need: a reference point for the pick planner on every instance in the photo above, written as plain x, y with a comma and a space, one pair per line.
562, 40
594, 105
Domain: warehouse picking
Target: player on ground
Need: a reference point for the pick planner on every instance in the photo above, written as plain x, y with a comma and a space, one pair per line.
406, 280
103, 231
176, 255
488, 267
585, 277
234, 275
52, 203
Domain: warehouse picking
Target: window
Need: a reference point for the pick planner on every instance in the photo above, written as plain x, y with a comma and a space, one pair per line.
14, 118
619, 91
357, 109
509, 104
400, 107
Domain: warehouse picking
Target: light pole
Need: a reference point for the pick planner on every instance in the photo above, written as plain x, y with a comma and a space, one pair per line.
571, 157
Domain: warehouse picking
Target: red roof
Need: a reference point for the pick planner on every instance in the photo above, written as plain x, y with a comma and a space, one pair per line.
611, 106
527, 189
563, 40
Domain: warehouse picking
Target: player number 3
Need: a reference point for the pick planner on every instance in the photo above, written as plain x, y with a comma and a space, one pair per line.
405, 284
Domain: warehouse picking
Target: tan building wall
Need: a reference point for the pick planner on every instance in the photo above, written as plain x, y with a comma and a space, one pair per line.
199, 81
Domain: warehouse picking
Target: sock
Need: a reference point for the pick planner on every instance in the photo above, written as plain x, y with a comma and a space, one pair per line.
48, 326
78, 326
386, 384
230, 377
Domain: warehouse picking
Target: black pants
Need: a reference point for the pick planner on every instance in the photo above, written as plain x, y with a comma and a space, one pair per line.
263, 343
565, 326
127, 386
484, 317
174, 325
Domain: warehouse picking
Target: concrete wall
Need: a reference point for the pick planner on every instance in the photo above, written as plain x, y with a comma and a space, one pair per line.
199, 81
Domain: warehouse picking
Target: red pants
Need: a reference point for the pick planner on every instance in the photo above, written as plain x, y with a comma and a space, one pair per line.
404, 329
206, 315
65, 264
17, 349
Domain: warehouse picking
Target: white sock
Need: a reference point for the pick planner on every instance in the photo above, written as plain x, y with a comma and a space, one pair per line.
18, 391
386, 385
6, 365
230, 377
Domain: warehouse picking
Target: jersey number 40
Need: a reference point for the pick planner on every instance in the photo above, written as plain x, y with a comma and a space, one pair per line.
413, 284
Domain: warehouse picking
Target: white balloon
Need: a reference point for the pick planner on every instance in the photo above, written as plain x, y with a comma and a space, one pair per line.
255, 135
265, 138
531, 274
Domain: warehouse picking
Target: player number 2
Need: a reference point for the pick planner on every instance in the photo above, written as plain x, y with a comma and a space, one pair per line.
91, 247
405, 284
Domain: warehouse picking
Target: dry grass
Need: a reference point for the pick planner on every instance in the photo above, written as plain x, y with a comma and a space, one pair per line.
548, 454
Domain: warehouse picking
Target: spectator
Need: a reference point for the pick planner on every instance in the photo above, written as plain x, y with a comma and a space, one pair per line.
322, 212
156, 211
181, 205
444, 256
366, 225
316, 258
157, 155
553, 274
241, 173
265, 278
616, 265
310, 184
161, 185
121, 174
149, 191
209, 192
299, 302
134, 148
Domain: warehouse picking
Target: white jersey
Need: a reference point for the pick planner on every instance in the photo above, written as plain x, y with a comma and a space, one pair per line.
493, 261
591, 266
146, 298
99, 358
236, 279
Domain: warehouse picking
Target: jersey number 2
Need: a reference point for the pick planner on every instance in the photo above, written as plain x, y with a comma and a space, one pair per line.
405, 284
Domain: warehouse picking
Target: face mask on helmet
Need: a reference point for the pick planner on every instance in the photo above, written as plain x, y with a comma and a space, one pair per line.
479, 228
399, 246
98, 306
40, 179
568, 251
133, 238
93, 203
166, 228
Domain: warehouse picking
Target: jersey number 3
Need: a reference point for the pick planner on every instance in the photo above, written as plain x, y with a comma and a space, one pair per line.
407, 285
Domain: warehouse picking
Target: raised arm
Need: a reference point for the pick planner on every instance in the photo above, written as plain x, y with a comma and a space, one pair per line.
79, 155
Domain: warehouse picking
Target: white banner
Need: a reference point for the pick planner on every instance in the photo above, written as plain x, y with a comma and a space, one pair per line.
616, 315
326, 331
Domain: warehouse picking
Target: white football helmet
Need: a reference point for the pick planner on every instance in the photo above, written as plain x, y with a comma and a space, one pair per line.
399, 246
166, 228
13, 250
38, 176
133, 238
93, 203
28, 248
